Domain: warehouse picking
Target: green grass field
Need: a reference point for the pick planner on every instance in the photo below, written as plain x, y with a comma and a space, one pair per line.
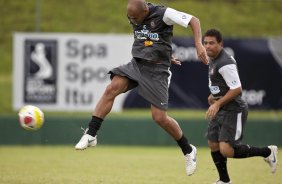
121, 165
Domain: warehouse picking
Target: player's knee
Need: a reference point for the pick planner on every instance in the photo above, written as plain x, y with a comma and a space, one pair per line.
159, 118
113, 90
227, 152
214, 146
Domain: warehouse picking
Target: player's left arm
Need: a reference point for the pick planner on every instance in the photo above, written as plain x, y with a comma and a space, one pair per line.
196, 28
231, 77
175, 61
172, 16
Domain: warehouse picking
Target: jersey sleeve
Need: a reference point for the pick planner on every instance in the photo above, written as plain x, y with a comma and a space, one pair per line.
172, 16
230, 75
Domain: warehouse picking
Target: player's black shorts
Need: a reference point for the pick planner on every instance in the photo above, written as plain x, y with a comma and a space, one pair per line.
227, 126
152, 80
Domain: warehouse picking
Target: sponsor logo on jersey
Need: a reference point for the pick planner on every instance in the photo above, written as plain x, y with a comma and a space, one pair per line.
145, 34
148, 43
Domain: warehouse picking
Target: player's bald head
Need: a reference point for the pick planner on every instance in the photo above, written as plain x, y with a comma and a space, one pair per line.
136, 7
137, 10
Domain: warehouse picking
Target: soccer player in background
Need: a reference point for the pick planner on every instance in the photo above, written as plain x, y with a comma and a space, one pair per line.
228, 111
149, 71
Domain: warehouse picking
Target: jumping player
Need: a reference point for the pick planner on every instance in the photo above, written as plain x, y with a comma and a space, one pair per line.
149, 71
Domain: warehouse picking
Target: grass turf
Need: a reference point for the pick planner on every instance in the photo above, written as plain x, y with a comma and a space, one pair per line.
120, 165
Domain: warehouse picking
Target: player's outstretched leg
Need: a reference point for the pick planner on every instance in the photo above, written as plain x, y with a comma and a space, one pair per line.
191, 161
117, 86
269, 153
272, 159
86, 141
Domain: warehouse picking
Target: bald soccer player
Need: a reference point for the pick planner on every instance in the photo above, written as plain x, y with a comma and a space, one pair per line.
148, 71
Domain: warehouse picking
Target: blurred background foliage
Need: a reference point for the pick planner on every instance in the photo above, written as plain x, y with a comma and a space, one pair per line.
235, 18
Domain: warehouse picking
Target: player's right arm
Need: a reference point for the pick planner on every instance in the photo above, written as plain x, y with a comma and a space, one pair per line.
172, 16
196, 28
231, 77
211, 99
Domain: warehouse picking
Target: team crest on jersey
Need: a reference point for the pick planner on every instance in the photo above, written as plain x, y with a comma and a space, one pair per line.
214, 90
152, 24
211, 71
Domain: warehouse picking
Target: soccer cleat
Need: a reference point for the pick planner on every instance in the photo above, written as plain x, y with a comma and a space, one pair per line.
86, 141
221, 182
272, 159
190, 161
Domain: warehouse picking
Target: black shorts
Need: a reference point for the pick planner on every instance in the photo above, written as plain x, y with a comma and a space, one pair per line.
227, 126
151, 79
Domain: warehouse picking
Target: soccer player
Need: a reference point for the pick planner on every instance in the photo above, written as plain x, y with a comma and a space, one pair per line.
228, 111
149, 71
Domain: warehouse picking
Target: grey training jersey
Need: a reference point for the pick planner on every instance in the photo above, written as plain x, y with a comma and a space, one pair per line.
152, 38
219, 86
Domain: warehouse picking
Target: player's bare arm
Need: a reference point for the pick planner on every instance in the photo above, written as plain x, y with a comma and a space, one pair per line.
196, 28
211, 100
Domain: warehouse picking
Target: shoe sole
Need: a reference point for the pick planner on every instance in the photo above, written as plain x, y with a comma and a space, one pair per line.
85, 147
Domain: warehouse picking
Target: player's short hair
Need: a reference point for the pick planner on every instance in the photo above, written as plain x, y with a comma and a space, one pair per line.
214, 33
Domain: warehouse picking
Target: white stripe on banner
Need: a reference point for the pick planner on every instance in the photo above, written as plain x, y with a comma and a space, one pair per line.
275, 45
238, 126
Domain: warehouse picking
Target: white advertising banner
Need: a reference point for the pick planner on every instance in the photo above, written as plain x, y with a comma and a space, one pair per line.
66, 72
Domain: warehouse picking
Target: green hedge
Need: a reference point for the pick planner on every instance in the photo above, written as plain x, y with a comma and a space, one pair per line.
126, 131
236, 18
